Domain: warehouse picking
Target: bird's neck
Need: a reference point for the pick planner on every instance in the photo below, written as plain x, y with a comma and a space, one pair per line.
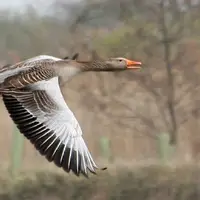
68, 69
95, 65
68, 73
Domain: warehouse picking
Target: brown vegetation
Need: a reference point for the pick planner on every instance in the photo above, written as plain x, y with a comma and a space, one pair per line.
146, 183
132, 108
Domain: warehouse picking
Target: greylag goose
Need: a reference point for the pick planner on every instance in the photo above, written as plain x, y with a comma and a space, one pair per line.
31, 93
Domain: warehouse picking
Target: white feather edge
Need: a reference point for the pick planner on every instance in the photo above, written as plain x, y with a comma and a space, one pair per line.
64, 125
12, 71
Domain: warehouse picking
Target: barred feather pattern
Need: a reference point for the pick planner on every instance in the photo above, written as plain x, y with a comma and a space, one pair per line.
43, 117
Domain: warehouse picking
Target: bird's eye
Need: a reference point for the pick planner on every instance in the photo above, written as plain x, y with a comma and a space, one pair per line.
120, 60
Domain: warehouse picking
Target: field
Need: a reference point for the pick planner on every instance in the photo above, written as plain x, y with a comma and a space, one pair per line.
144, 183
144, 125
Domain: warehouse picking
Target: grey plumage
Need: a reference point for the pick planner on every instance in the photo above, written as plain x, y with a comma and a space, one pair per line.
32, 96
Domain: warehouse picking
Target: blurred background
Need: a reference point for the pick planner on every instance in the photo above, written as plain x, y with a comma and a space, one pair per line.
143, 125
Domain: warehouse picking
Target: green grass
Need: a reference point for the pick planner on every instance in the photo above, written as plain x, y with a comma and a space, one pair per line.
143, 183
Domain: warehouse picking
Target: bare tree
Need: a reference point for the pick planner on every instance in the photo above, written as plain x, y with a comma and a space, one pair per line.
170, 103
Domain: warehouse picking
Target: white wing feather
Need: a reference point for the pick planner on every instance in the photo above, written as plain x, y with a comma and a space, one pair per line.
63, 128
12, 70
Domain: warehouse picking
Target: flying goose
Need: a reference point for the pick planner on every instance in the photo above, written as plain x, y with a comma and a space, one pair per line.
32, 96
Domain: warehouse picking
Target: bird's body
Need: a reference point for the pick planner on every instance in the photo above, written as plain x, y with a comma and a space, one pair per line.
31, 93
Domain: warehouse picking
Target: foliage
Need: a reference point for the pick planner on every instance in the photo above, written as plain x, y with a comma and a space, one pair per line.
145, 183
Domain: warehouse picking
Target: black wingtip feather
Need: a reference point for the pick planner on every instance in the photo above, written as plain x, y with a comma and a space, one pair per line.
34, 131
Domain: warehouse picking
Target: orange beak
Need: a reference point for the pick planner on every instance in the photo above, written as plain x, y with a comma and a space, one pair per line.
131, 64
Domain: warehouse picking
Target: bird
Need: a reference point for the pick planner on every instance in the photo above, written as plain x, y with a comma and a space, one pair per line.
33, 98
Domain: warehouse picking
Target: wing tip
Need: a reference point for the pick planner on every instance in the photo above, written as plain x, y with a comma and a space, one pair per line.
52, 148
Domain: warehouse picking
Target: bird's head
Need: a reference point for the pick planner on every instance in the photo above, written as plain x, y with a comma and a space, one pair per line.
122, 64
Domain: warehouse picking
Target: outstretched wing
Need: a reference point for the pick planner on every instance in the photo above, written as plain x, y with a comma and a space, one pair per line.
44, 118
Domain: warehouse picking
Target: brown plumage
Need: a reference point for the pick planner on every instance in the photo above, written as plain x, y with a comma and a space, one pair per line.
32, 96
37, 70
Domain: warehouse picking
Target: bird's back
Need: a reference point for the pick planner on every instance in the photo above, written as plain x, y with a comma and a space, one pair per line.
30, 67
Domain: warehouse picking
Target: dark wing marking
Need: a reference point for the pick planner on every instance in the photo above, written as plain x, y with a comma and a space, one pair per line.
54, 132
74, 57
29, 76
